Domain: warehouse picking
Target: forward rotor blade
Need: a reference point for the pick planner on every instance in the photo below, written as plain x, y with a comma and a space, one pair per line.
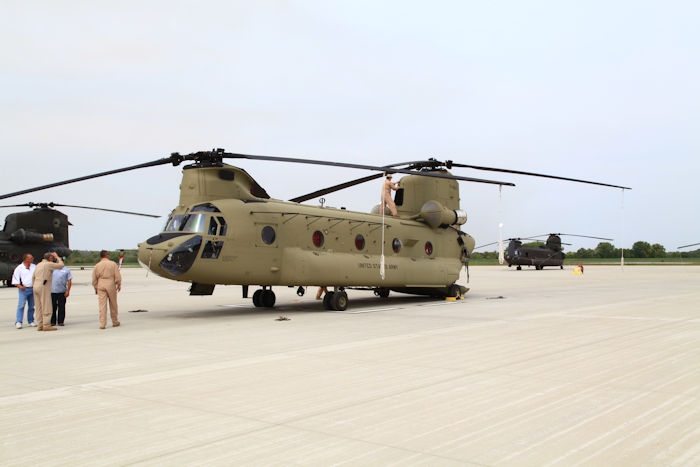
584, 236
507, 240
174, 159
108, 210
358, 166
532, 174
15, 205
571, 235
686, 246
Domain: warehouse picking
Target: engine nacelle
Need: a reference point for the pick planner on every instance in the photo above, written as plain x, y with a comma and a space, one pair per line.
22, 236
436, 215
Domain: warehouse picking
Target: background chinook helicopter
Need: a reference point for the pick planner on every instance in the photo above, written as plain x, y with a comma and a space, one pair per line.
227, 230
549, 254
36, 232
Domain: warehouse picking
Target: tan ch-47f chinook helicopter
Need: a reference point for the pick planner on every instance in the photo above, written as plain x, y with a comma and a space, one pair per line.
227, 230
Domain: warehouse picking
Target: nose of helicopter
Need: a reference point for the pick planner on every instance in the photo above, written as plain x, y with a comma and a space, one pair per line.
169, 256
150, 256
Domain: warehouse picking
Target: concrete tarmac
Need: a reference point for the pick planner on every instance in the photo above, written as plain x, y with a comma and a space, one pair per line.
532, 368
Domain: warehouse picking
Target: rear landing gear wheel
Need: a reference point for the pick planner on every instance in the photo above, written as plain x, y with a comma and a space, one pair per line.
267, 299
561, 267
455, 291
256, 298
328, 301
340, 301
519, 268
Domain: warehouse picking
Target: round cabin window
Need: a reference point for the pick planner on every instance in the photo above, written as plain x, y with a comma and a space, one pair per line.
428, 248
360, 242
317, 238
396, 245
268, 235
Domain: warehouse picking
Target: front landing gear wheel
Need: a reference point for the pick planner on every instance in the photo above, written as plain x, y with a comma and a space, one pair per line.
381, 292
267, 299
256, 298
340, 301
519, 268
328, 301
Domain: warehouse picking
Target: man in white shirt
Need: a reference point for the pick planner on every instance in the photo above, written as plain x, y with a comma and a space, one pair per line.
22, 279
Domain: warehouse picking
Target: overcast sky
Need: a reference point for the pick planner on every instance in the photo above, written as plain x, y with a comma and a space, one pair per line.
603, 91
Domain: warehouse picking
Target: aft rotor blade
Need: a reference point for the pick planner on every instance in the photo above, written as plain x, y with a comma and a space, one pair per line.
358, 166
686, 246
103, 209
532, 174
174, 159
488, 244
342, 186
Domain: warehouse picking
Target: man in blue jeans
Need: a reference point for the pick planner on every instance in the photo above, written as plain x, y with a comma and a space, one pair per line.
22, 279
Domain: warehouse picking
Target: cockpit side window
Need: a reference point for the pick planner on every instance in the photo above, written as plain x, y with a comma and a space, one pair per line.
213, 226
167, 223
224, 227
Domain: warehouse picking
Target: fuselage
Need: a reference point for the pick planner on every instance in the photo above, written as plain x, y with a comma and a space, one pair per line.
271, 242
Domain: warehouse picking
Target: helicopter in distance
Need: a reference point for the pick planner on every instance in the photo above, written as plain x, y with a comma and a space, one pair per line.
549, 254
227, 230
36, 232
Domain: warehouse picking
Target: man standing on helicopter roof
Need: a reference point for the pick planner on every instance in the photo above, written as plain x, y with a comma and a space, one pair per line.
386, 196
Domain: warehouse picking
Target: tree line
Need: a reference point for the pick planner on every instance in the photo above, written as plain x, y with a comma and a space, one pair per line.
639, 249
80, 257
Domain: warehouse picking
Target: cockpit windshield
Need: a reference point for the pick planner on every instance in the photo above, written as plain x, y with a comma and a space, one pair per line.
195, 223
186, 223
174, 223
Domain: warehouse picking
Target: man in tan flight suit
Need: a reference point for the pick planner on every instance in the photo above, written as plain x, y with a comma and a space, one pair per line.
42, 280
107, 282
386, 196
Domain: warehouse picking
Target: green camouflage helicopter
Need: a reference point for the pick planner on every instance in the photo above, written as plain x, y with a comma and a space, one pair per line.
36, 232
